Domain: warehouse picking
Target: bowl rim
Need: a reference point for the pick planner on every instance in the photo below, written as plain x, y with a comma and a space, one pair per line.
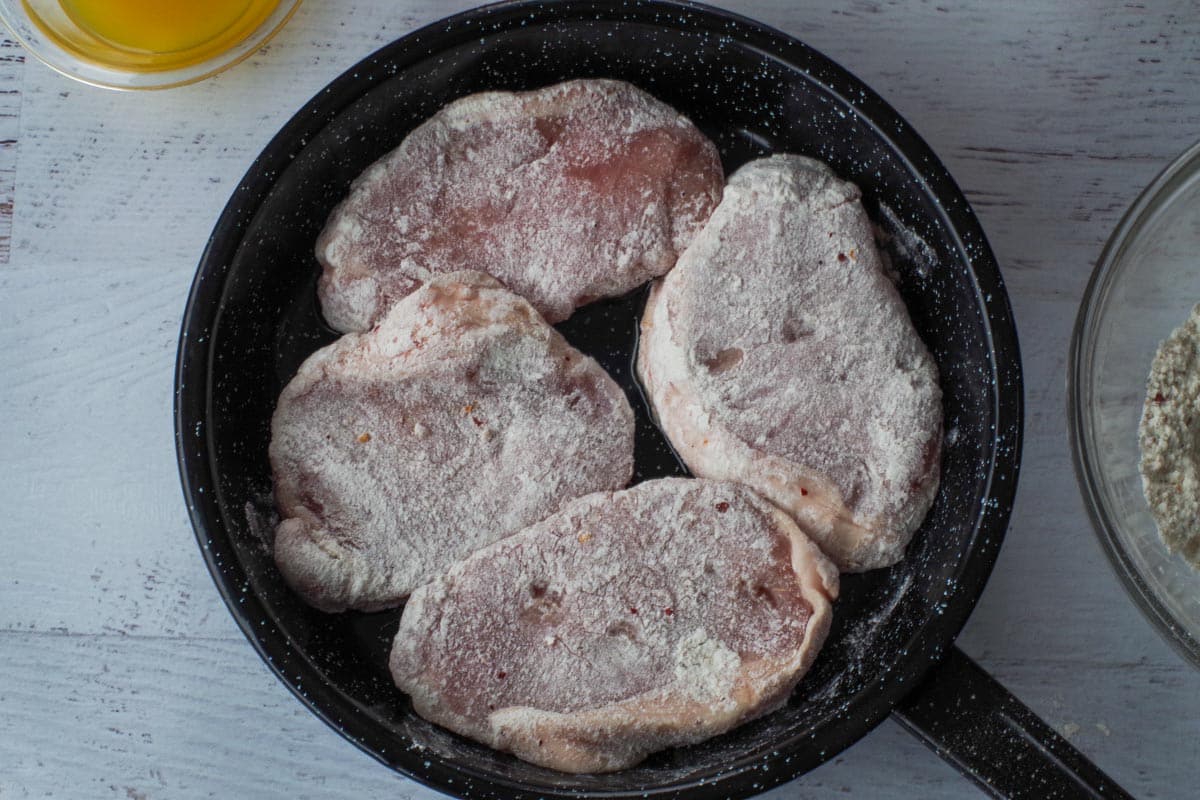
194, 73
1079, 361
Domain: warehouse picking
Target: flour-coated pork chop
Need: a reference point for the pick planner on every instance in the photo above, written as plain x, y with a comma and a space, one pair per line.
463, 417
779, 353
567, 194
626, 623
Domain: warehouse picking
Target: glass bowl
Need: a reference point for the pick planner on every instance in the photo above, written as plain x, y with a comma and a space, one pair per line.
1144, 286
20, 22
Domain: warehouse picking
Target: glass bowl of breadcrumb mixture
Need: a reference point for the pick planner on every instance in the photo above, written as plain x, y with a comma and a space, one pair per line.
1134, 401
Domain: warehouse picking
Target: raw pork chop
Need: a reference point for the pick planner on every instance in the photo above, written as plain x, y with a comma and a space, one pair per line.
462, 418
778, 353
627, 623
567, 194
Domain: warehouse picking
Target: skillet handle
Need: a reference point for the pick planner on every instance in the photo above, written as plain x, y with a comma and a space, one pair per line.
991, 737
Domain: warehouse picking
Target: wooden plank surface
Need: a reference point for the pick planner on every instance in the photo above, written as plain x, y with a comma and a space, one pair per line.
12, 57
121, 673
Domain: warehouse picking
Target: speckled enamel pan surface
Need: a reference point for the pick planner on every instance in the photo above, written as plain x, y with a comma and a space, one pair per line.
252, 317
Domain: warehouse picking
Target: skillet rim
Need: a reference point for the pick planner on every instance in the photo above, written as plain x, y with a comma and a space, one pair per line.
924, 649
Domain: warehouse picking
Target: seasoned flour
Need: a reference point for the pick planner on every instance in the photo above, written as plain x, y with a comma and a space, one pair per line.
1170, 440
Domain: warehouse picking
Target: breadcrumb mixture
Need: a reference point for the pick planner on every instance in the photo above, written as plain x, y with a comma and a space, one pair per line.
1170, 440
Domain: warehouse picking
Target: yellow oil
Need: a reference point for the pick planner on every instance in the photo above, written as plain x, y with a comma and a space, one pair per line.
148, 35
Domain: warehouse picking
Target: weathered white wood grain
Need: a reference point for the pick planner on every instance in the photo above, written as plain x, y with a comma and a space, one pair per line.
97, 165
1052, 116
96, 537
165, 717
12, 57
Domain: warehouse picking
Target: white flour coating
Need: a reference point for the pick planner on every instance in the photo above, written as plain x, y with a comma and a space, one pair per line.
706, 668
1169, 435
566, 194
627, 623
460, 419
778, 353
910, 246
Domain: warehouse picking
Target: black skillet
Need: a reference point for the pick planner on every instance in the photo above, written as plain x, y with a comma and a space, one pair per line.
252, 318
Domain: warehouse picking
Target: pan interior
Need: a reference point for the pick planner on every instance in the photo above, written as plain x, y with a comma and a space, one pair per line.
264, 320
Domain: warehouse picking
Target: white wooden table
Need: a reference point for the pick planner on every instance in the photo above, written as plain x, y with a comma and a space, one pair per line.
121, 673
